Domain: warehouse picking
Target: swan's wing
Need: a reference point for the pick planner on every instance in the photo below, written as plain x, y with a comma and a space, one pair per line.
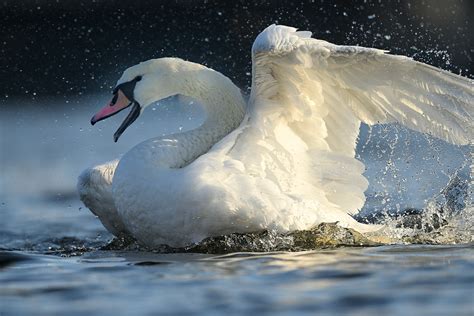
308, 99
309, 75
94, 186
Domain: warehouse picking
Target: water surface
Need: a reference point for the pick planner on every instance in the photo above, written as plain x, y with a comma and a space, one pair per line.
408, 280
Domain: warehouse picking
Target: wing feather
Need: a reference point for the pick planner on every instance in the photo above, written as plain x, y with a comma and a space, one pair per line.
309, 97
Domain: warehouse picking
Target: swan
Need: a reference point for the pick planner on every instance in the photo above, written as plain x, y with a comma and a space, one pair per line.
282, 160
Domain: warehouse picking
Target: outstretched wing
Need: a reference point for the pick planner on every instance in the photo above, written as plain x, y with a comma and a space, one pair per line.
305, 73
307, 102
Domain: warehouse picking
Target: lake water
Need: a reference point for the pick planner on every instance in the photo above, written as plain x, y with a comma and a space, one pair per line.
50, 262
401, 280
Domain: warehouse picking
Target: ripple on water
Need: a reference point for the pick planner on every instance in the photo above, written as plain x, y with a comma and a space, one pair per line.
8, 258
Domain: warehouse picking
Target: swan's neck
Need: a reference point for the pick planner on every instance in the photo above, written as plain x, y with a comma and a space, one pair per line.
224, 107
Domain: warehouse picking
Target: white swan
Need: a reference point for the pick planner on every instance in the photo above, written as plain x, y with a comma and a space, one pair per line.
284, 160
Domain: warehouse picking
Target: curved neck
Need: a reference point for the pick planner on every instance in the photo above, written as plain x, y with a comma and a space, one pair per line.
222, 101
225, 109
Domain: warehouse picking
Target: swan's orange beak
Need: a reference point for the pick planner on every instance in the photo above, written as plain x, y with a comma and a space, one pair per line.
117, 104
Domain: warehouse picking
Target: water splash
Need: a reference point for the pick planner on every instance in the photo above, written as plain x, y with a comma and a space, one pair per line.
325, 235
448, 218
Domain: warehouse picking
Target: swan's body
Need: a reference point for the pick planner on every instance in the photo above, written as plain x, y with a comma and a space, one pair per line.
286, 160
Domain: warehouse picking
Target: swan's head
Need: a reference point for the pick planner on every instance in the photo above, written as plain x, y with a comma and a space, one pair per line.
143, 84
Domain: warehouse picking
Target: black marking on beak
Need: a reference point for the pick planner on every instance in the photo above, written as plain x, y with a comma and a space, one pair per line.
128, 87
131, 117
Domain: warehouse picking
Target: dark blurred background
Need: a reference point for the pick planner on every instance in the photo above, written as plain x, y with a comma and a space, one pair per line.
64, 47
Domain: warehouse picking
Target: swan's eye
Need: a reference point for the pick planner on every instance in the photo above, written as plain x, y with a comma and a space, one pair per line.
138, 78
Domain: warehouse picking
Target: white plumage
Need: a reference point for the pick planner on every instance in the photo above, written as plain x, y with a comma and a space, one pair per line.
286, 160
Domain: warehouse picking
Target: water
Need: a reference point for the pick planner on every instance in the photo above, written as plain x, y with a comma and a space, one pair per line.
409, 280
51, 262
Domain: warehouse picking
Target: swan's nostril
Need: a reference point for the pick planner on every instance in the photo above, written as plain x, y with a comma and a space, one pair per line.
114, 99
